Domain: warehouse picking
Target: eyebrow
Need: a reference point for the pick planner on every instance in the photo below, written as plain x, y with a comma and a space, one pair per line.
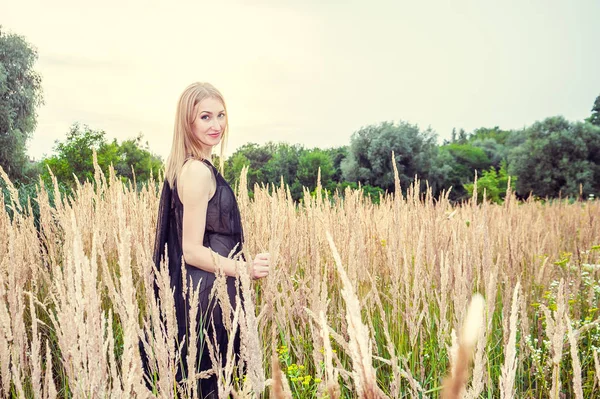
208, 112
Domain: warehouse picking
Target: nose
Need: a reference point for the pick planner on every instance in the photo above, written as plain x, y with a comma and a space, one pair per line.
215, 123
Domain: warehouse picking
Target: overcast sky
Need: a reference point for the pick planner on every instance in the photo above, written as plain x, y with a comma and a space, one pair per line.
309, 72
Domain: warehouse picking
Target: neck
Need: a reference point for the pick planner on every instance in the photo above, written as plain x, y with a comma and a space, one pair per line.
206, 152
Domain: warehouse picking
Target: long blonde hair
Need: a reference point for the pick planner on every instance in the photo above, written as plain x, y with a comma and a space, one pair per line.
185, 144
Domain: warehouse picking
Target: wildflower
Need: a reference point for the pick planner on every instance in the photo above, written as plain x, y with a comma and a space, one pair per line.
282, 350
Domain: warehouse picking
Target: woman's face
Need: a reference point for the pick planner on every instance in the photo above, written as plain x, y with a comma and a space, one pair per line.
210, 122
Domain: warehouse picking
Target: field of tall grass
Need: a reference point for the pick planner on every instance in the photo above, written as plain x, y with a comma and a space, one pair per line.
365, 300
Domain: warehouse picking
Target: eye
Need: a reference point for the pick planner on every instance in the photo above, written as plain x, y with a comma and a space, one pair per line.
205, 117
222, 115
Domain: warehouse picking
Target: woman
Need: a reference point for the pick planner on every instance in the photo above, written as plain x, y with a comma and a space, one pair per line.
199, 219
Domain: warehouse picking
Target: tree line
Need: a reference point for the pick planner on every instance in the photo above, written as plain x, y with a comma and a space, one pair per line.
551, 158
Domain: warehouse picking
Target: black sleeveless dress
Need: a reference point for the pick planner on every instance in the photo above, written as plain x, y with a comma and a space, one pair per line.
223, 234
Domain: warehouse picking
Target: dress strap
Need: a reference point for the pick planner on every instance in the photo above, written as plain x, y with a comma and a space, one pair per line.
206, 161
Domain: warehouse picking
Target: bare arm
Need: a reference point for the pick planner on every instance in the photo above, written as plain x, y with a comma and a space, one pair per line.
195, 183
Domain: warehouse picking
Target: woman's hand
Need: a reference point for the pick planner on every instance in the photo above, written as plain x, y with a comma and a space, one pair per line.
260, 266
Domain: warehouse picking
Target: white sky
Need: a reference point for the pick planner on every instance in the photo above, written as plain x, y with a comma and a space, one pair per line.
309, 72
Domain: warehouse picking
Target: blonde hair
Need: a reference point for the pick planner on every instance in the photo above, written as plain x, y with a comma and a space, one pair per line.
185, 144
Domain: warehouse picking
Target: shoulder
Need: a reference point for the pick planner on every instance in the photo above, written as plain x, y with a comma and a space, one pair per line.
195, 169
195, 180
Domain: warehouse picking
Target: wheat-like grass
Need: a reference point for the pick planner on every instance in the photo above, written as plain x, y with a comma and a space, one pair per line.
509, 368
369, 310
473, 325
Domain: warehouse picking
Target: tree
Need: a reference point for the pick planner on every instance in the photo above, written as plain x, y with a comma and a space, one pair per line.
308, 168
594, 119
74, 156
337, 155
483, 133
253, 156
493, 141
494, 183
557, 157
297, 166
20, 95
455, 166
462, 136
135, 157
369, 158
283, 163
494, 151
